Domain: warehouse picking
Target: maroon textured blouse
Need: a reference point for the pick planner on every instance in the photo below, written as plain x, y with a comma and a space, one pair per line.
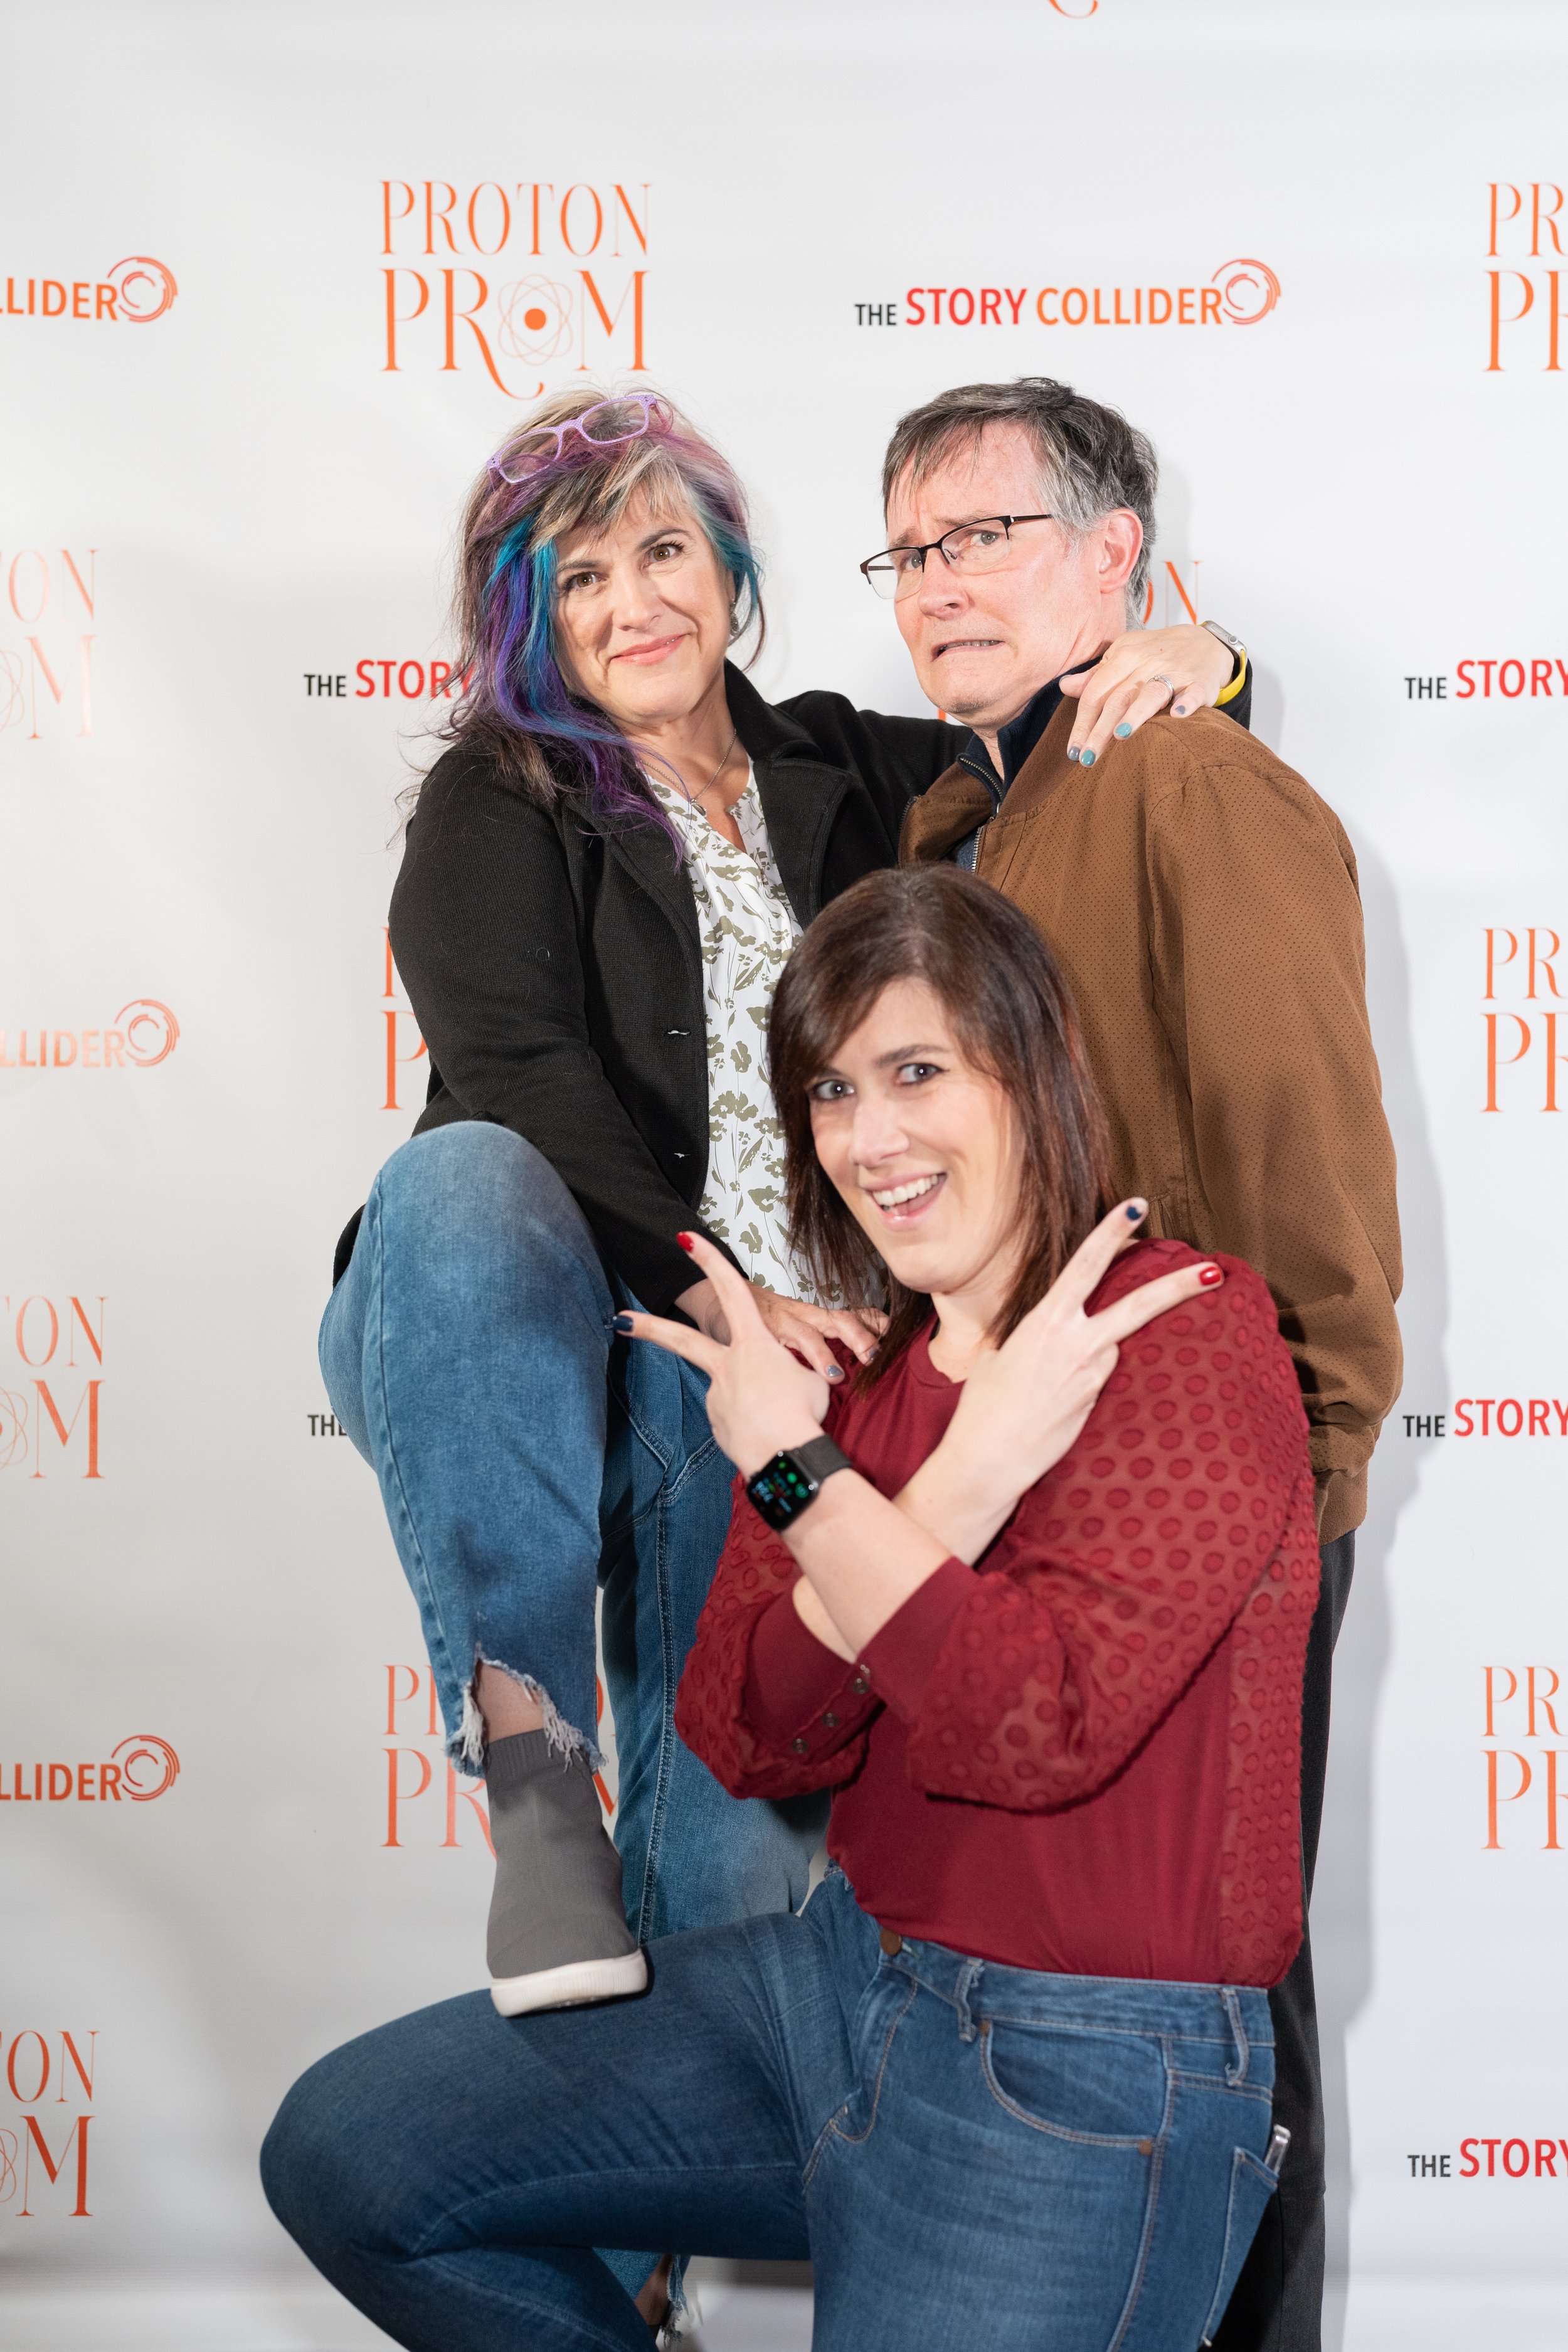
1082, 1755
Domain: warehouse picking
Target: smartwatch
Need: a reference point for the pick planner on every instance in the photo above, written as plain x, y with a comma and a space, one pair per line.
1238, 650
792, 1481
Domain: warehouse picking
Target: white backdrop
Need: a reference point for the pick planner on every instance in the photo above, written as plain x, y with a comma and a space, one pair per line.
217, 501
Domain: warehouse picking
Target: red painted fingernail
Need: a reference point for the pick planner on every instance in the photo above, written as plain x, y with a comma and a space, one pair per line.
686, 1241
1211, 1275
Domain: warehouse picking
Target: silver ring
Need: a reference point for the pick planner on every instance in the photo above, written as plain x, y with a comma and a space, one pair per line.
1160, 678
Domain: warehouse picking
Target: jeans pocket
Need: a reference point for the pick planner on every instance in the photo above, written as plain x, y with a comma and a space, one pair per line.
1251, 2186
1110, 2088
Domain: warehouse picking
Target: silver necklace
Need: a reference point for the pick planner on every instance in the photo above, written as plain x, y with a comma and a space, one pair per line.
693, 798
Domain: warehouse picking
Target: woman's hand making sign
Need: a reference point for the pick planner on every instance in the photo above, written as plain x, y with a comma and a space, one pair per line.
1022, 1406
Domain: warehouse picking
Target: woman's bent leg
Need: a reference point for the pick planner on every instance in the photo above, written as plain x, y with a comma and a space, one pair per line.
465, 1352
451, 2172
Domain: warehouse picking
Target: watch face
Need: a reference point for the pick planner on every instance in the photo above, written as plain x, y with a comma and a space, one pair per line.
780, 1490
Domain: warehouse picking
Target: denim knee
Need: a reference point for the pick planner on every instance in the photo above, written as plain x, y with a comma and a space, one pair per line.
301, 2176
470, 1198
476, 1181
324, 2163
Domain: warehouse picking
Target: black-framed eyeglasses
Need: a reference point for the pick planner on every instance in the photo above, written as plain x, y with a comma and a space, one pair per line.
968, 547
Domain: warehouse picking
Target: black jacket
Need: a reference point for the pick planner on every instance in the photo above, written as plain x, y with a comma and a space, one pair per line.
554, 968
553, 965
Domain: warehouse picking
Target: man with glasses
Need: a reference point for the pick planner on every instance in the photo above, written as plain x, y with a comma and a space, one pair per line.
1203, 902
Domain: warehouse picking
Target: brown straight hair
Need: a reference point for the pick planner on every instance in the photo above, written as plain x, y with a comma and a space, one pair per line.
1001, 988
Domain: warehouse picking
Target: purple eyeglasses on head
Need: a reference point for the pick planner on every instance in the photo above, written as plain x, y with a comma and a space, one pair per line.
625, 418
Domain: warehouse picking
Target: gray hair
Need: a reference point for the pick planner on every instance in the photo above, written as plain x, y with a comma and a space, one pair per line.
1092, 459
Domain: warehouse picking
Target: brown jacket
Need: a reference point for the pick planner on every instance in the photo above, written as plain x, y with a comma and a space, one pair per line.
1202, 901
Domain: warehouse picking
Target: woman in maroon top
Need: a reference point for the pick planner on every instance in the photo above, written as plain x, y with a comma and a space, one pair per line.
1112, 1696
1030, 1595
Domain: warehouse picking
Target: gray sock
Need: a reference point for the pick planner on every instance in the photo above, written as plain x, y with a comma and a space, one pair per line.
558, 1878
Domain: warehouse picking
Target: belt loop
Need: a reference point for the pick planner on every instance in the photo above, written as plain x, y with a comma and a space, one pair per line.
969, 1977
1236, 2073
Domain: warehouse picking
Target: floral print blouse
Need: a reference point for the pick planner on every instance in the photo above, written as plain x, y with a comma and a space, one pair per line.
747, 928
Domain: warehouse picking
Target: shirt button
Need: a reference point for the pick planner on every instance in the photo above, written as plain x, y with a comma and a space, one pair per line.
831, 1721
859, 1685
798, 1746
890, 1940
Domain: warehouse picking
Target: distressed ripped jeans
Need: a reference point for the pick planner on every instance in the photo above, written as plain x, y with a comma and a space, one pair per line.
528, 1456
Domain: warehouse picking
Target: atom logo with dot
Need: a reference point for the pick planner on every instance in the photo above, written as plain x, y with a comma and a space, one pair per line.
535, 319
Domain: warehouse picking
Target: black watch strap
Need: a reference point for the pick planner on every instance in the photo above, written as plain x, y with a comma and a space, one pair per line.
792, 1481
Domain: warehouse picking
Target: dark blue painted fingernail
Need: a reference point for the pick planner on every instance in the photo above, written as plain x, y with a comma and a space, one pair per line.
1135, 1210
620, 1322
835, 1371
1086, 758
1072, 752
1181, 709
1124, 729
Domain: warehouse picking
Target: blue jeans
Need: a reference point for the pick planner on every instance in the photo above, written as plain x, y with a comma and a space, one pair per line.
970, 2155
526, 1454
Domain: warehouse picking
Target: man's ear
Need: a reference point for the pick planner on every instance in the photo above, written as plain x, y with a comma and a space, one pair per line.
1120, 537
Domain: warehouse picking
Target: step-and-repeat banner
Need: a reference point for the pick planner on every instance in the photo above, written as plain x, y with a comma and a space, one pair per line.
273, 282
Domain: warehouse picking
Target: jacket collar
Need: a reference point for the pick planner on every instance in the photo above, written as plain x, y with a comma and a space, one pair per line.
1014, 741
649, 854
1045, 772
939, 819
943, 817
800, 790
766, 732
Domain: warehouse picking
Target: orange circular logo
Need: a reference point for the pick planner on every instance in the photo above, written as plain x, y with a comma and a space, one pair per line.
1247, 291
536, 319
152, 1032
150, 1769
146, 288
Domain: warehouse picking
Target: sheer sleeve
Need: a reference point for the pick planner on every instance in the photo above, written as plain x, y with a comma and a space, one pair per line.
1184, 1507
767, 1718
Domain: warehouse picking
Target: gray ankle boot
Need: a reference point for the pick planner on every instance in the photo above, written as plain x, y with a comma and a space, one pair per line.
558, 1935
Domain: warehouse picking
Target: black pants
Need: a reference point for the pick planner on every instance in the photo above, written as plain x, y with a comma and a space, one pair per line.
1278, 2306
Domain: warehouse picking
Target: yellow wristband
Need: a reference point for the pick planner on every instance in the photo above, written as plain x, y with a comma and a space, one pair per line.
1234, 689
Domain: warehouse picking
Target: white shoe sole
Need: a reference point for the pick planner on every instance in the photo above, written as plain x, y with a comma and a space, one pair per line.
578, 1982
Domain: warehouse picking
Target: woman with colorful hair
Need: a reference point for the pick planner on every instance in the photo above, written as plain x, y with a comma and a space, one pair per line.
1030, 1596
605, 875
